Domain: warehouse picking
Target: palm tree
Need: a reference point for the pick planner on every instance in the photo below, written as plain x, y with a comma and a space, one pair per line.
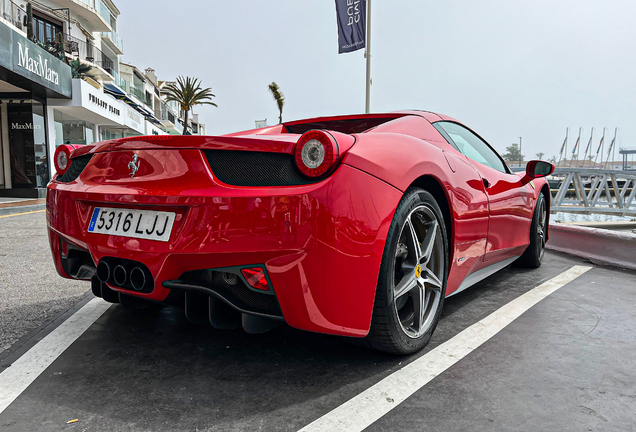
279, 97
540, 155
187, 92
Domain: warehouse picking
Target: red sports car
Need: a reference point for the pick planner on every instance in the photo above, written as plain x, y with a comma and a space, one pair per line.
353, 225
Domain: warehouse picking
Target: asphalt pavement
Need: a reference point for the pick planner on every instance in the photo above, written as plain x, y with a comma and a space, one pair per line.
567, 362
31, 292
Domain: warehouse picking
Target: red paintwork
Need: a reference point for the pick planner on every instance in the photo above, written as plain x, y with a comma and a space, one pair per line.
324, 267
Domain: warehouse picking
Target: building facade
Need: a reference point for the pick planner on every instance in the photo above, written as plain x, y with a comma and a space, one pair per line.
42, 106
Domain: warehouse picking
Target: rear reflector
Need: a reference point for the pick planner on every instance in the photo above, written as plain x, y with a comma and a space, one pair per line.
255, 276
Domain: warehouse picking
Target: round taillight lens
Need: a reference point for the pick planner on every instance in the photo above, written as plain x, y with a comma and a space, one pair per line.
62, 158
316, 153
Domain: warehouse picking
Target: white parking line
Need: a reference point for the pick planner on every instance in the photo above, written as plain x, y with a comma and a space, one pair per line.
17, 377
362, 410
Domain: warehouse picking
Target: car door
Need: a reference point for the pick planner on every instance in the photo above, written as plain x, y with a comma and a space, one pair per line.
510, 203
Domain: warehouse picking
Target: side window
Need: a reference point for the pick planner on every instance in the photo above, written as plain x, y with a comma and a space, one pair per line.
472, 146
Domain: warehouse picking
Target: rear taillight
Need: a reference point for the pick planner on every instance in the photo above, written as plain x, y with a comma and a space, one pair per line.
316, 153
62, 158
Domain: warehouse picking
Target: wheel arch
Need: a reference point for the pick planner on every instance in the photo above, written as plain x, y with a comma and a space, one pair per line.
435, 188
545, 190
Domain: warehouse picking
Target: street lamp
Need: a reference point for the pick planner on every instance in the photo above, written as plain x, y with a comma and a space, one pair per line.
520, 155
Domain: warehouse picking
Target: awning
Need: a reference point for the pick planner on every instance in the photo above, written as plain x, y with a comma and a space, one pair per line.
118, 93
113, 90
121, 95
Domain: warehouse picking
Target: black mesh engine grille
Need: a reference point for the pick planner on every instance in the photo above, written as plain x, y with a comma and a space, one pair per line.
247, 168
77, 166
232, 288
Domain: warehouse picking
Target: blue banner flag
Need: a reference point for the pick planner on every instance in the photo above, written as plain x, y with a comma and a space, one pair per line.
351, 16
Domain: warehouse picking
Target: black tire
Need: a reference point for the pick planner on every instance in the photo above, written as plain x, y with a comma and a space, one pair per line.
533, 255
390, 329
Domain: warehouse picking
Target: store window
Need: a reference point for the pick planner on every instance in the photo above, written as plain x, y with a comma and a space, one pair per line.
27, 144
110, 133
71, 130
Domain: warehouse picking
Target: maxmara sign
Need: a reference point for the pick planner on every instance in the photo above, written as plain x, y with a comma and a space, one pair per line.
36, 65
45, 74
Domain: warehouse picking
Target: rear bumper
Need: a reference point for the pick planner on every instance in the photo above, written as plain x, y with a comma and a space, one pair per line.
321, 244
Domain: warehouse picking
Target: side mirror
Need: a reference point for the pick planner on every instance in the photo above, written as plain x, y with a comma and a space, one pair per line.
536, 169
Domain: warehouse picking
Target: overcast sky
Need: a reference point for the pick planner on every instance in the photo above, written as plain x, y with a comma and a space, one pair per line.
504, 68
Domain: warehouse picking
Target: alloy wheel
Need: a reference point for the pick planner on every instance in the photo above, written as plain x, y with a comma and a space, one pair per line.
419, 271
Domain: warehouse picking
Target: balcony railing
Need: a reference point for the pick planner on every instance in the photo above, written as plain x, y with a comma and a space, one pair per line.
137, 92
101, 9
167, 115
12, 13
85, 51
119, 81
115, 38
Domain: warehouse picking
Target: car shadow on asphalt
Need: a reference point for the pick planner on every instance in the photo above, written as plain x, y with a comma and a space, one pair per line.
153, 366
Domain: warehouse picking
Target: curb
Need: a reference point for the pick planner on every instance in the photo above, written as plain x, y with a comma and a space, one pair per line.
600, 246
21, 209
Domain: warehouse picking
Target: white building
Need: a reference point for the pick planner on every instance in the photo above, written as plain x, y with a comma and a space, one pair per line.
42, 106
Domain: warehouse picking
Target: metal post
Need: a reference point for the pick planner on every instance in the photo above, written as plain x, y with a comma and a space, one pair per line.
600, 148
520, 155
367, 54
564, 147
615, 145
578, 147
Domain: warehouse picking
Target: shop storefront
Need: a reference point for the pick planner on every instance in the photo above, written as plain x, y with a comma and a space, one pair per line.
28, 77
79, 120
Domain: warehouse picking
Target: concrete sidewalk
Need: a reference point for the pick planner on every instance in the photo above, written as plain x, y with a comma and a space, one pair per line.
20, 205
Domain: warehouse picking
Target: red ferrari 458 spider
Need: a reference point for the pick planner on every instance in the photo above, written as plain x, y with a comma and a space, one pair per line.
353, 225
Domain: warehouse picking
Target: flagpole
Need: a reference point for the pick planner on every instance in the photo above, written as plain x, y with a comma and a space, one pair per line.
367, 54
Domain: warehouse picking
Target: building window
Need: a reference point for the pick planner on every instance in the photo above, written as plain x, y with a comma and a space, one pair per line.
44, 30
71, 130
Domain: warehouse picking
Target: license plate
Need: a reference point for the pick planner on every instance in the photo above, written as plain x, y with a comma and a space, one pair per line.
144, 224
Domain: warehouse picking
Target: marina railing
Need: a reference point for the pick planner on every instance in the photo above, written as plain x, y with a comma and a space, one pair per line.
593, 191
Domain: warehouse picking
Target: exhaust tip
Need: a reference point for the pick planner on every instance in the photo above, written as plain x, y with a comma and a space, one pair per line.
137, 279
103, 271
120, 275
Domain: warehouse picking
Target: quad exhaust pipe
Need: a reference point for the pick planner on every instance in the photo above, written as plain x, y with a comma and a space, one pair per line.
120, 275
125, 274
138, 278
104, 271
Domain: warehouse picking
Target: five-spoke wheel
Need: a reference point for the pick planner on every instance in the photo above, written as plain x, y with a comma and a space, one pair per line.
419, 271
412, 281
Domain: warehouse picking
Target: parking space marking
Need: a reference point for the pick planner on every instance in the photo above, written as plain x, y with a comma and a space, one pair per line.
21, 214
17, 377
364, 409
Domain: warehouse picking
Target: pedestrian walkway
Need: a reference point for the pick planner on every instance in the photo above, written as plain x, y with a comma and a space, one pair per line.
10, 206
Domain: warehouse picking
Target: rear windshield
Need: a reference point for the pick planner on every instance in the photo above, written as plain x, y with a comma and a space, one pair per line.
348, 126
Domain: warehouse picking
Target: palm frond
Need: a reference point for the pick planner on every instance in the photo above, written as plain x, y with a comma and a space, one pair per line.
187, 92
279, 97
